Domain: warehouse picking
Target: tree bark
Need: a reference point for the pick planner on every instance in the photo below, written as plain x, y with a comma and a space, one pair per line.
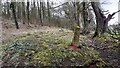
23, 13
101, 19
85, 18
48, 10
14, 14
75, 40
39, 11
43, 9
8, 10
28, 12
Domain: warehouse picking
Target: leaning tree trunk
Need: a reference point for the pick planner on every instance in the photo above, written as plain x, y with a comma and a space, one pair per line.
14, 14
99, 18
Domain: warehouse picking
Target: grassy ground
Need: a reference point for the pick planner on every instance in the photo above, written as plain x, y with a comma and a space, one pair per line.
49, 46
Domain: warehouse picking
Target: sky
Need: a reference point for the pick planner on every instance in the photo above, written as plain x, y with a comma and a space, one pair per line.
111, 5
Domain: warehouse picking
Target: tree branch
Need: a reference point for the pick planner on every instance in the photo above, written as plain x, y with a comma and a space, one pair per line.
58, 5
111, 15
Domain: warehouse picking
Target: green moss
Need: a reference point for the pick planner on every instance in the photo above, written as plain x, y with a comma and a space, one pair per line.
76, 26
45, 44
47, 50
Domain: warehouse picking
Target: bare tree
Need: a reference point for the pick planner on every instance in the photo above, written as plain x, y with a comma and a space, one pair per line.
101, 19
39, 5
85, 17
8, 10
48, 10
14, 14
28, 4
75, 40
23, 13
43, 9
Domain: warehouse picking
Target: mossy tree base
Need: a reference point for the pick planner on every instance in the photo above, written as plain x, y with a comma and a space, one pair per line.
75, 40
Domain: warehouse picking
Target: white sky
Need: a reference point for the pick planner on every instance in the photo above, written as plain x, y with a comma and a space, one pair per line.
112, 6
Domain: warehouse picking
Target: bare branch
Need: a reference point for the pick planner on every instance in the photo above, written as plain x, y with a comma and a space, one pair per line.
58, 5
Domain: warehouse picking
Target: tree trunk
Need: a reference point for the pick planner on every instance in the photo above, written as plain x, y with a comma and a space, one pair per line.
99, 19
85, 18
39, 11
33, 13
43, 9
48, 10
18, 7
8, 10
75, 40
28, 12
14, 14
23, 13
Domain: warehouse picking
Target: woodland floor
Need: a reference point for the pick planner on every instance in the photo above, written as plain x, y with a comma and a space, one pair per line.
108, 48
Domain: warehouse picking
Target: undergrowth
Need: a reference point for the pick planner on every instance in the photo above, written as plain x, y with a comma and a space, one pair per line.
47, 50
